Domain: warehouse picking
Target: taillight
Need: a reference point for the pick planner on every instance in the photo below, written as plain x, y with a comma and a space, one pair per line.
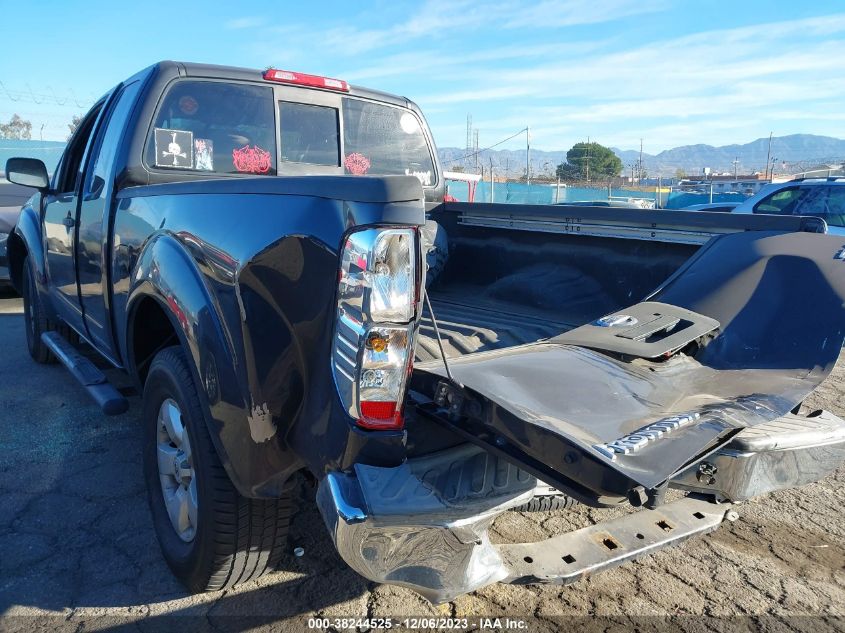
376, 322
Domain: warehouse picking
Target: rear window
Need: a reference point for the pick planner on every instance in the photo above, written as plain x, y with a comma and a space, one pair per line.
382, 140
229, 128
205, 126
309, 133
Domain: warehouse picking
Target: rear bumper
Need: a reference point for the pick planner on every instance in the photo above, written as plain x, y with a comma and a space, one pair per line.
424, 525
791, 451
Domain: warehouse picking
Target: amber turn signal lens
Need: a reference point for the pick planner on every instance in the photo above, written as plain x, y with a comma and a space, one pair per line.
376, 342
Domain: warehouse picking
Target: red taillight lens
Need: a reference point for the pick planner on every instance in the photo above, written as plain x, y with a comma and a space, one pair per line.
302, 79
380, 415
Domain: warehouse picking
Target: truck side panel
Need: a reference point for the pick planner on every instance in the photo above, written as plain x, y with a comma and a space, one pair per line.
253, 302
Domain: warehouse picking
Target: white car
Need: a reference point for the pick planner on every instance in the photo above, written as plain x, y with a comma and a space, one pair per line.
819, 197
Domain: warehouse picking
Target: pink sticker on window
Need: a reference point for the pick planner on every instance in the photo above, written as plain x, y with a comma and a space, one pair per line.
357, 164
251, 160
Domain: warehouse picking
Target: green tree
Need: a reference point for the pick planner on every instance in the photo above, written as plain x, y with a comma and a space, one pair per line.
590, 161
17, 128
680, 173
74, 123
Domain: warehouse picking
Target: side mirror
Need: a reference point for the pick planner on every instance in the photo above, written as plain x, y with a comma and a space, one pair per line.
29, 172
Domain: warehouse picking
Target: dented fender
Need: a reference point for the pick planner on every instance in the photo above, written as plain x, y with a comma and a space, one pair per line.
167, 273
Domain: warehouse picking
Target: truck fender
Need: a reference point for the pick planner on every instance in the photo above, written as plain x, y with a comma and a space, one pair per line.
166, 273
26, 240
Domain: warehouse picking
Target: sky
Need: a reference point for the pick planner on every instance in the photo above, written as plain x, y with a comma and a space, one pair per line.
668, 72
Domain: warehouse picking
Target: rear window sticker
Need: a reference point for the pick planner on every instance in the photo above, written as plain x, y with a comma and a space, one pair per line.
174, 148
357, 164
423, 176
188, 105
251, 160
204, 154
409, 124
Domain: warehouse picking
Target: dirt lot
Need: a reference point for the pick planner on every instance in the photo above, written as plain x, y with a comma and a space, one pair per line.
76, 542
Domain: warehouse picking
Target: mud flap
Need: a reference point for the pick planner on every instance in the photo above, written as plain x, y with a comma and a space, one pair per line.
606, 417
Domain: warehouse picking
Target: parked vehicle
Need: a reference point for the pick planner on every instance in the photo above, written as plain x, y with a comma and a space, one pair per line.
12, 198
265, 254
819, 197
713, 207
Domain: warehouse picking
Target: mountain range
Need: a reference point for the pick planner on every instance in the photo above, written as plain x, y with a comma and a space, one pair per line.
791, 154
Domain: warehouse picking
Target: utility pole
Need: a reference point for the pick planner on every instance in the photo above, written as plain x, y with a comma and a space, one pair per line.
492, 181
588, 159
768, 155
475, 140
528, 155
640, 166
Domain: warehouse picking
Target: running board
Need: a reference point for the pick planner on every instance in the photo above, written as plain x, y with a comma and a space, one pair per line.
575, 555
92, 379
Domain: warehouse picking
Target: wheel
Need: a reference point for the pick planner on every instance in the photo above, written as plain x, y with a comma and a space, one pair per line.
546, 503
211, 537
35, 320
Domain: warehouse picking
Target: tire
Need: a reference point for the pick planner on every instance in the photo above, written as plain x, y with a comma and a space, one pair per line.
547, 503
232, 539
35, 319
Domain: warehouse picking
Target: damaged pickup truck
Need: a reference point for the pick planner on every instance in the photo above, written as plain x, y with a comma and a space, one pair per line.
268, 256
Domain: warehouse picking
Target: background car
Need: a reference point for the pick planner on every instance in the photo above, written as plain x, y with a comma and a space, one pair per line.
12, 198
819, 197
712, 207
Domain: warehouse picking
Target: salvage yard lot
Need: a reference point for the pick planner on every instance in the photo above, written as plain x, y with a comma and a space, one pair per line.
77, 544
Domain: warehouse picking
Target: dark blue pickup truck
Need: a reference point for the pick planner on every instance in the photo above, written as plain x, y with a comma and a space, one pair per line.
269, 257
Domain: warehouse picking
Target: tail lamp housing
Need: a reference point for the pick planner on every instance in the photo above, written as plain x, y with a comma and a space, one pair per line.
377, 309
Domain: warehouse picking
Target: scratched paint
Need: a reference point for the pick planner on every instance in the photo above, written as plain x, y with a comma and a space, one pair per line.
261, 426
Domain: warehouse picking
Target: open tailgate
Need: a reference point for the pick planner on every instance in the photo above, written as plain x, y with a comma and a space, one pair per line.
739, 336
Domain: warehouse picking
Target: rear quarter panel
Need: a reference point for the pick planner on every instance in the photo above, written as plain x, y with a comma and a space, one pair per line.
250, 283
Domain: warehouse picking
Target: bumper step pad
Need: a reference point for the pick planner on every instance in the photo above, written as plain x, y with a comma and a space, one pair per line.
575, 555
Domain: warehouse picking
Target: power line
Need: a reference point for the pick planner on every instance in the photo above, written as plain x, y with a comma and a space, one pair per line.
478, 151
38, 98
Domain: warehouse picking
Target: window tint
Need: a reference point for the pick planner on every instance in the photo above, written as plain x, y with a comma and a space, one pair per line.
67, 180
109, 135
781, 202
309, 134
826, 202
383, 140
206, 126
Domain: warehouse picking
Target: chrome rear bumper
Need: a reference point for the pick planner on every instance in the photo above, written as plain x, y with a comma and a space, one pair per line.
424, 525
791, 451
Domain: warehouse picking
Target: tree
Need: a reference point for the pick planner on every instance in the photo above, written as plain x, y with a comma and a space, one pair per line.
680, 174
17, 128
74, 123
590, 161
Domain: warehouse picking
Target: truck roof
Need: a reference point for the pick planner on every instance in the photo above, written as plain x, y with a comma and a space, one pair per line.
213, 71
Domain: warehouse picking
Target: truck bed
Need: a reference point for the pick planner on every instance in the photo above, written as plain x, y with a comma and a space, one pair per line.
720, 339
468, 326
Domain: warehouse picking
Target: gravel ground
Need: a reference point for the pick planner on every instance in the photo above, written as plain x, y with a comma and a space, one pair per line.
77, 549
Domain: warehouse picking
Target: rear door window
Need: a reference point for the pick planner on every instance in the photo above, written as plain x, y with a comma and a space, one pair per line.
824, 201
383, 140
781, 202
212, 126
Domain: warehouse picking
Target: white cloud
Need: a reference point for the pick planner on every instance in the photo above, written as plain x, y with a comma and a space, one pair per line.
717, 83
245, 23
